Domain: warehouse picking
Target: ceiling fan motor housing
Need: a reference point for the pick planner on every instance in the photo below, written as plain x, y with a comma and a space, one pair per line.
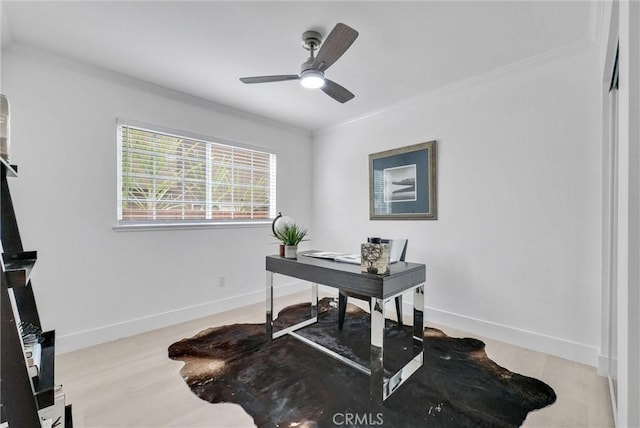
307, 65
311, 39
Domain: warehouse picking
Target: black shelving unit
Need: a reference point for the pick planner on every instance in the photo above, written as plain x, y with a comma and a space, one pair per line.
21, 396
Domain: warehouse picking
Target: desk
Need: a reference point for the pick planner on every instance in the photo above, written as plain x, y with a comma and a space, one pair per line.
380, 288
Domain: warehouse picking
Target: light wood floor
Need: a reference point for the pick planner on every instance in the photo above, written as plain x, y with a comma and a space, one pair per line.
132, 383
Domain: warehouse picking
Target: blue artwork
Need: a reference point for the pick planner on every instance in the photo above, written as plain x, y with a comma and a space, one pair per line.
403, 182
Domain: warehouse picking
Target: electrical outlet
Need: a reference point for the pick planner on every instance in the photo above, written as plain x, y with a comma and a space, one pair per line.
222, 281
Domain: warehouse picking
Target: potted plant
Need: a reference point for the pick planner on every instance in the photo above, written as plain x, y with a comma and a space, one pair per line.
291, 235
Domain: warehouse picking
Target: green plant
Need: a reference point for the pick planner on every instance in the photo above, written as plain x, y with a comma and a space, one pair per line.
291, 234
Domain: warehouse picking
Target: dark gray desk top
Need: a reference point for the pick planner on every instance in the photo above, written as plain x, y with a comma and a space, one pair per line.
403, 275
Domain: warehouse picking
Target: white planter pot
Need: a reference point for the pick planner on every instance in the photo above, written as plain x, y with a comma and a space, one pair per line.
290, 251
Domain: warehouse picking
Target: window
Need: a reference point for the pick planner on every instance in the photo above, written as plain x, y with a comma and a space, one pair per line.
166, 178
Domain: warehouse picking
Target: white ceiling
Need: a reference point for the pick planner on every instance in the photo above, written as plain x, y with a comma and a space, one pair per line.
202, 48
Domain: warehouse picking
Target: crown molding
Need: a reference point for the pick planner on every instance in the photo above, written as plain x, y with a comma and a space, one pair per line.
579, 47
125, 80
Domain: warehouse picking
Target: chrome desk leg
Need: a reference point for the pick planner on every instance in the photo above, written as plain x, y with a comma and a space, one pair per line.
314, 301
377, 347
418, 316
401, 376
381, 386
292, 328
270, 305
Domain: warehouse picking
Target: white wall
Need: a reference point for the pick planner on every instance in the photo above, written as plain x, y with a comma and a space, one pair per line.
93, 283
515, 252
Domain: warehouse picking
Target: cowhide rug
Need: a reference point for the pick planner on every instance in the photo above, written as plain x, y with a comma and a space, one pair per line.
286, 383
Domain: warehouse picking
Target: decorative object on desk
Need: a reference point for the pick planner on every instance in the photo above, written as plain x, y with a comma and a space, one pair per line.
375, 257
402, 183
291, 235
4, 127
277, 382
279, 222
398, 253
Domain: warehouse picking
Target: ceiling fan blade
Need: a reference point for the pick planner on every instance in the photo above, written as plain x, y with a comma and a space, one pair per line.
337, 42
336, 91
266, 79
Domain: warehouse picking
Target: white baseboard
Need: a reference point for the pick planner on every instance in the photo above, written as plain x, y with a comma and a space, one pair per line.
559, 347
603, 365
83, 339
531, 340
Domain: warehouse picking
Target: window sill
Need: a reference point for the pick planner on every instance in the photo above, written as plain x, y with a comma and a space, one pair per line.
182, 226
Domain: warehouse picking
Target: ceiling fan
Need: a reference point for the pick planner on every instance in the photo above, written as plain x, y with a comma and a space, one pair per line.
312, 70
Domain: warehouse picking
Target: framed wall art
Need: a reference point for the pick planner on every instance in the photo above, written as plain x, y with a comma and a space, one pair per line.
403, 183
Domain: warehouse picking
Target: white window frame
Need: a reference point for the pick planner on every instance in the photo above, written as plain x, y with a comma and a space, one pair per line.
179, 224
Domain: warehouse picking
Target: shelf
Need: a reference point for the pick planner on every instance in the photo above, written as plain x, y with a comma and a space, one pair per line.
12, 170
22, 397
44, 384
18, 266
68, 416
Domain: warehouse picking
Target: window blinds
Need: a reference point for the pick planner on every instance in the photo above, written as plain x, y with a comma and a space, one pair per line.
169, 178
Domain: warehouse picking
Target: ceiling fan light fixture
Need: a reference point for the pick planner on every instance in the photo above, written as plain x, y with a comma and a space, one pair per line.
311, 74
312, 79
